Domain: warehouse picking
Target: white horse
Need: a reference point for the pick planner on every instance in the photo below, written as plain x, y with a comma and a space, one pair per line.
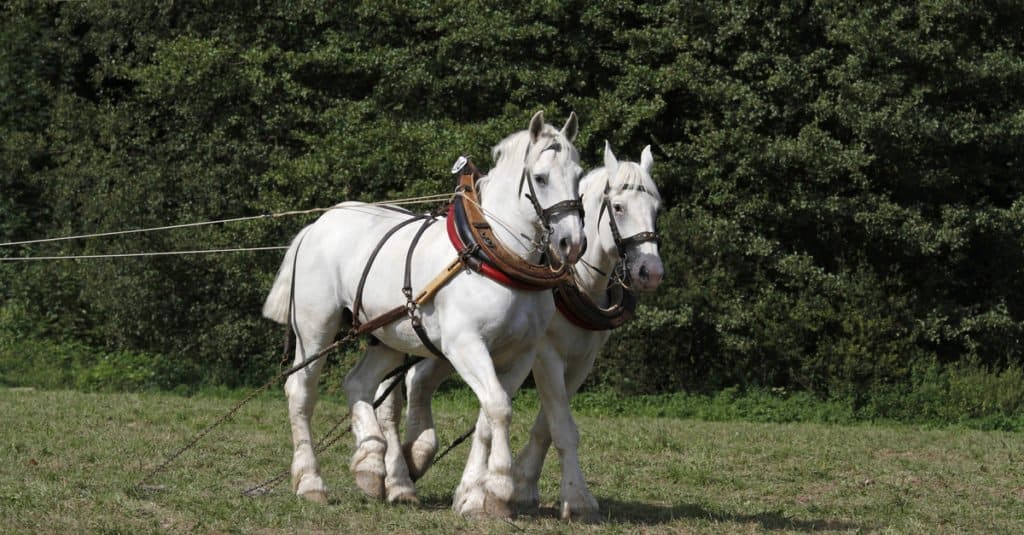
621, 203
480, 325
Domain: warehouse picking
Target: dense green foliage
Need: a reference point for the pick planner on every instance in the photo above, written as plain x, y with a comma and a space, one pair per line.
842, 179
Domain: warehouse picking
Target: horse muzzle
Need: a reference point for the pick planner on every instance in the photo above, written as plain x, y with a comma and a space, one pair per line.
646, 272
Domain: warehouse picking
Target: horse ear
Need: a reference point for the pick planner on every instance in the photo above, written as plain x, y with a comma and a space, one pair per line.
571, 128
611, 164
536, 126
646, 160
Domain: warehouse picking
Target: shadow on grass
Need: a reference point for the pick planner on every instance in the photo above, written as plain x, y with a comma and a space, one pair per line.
619, 512
644, 513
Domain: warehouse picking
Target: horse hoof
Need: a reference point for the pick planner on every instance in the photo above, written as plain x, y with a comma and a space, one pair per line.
371, 483
495, 508
315, 496
404, 499
526, 499
527, 507
418, 458
585, 516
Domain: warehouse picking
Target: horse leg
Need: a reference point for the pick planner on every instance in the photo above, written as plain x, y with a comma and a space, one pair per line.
397, 483
486, 487
554, 422
368, 465
301, 390
486, 490
469, 496
577, 501
420, 444
529, 463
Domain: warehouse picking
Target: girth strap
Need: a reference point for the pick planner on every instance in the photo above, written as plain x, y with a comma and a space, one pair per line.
412, 307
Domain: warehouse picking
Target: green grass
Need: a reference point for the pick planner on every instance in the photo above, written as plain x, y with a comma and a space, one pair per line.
70, 460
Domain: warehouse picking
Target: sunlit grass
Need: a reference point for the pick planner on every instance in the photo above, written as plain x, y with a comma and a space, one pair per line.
72, 459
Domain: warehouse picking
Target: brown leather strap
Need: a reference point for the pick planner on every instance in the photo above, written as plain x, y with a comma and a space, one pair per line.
402, 311
409, 309
358, 304
412, 307
505, 260
582, 311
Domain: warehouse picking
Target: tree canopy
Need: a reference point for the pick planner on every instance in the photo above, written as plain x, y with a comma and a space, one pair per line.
842, 179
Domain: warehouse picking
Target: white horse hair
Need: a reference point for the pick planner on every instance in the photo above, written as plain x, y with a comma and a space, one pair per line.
566, 352
481, 326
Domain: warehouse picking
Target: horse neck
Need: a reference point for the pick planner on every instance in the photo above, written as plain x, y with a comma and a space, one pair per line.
506, 211
591, 281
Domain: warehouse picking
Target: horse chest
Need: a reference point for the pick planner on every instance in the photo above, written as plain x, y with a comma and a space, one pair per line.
573, 342
509, 316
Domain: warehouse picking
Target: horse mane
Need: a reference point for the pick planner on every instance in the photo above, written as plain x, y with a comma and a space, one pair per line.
629, 175
503, 156
509, 154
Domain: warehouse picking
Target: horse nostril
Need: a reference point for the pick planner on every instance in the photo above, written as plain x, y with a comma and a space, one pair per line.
644, 275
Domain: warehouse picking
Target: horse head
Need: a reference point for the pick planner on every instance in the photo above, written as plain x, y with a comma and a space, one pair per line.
546, 169
629, 205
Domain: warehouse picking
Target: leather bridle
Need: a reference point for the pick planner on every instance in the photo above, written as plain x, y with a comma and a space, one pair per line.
623, 244
545, 215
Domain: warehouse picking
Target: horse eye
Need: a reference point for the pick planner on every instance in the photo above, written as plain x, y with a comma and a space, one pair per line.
541, 179
618, 208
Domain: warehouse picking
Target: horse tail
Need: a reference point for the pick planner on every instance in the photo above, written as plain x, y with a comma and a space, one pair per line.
278, 302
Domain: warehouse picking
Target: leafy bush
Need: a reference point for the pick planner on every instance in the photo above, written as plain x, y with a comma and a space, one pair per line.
844, 201
960, 392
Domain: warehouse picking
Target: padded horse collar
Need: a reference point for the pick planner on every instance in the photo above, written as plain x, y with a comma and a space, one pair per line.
481, 251
578, 308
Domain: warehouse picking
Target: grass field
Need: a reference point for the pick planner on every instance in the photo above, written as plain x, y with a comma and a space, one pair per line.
71, 459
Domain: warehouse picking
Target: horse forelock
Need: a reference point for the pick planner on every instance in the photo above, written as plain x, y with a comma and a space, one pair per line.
511, 151
629, 176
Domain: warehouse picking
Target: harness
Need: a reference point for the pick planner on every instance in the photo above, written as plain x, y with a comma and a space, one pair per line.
477, 247
578, 307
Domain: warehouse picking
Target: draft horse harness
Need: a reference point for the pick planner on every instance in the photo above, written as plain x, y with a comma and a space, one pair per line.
478, 249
